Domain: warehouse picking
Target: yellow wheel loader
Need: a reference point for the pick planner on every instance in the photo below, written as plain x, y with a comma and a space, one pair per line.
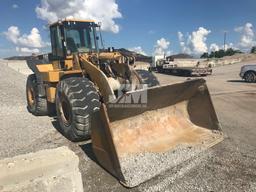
137, 131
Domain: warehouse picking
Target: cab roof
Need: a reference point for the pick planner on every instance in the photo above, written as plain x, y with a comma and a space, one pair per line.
72, 20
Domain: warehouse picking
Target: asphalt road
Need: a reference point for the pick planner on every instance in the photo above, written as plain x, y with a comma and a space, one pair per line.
228, 166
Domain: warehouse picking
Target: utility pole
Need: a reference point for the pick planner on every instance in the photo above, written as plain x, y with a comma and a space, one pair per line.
225, 38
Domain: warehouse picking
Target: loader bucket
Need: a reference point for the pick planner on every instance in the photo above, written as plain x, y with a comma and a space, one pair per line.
137, 143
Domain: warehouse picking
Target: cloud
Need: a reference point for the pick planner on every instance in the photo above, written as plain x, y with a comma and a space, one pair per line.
161, 47
214, 47
25, 43
195, 42
248, 37
33, 39
183, 44
238, 29
27, 50
138, 50
231, 45
104, 11
180, 36
12, 34
15, 6
198, 40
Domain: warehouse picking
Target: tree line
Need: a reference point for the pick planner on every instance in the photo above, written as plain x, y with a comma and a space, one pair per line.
222, 53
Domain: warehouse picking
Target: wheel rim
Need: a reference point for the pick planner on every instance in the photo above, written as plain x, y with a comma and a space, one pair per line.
65, 111
31, 97
250, 77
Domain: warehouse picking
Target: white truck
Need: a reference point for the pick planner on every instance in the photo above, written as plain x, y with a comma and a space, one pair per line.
155, 61
162, 65
248, 73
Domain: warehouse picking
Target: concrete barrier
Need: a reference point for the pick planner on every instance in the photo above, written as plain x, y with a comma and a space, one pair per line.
45, 171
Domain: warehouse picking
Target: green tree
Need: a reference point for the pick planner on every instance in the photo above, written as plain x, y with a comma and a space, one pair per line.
221, 53
230, 52
213, 54
205, 55
253, 50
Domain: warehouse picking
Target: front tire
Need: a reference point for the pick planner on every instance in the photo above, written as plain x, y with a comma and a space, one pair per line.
76, 102
250, 77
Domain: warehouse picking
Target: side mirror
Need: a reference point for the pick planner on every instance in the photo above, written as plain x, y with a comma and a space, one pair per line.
97, 38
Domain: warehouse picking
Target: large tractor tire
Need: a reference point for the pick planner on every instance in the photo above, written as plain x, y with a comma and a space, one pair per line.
76, 102
35, 104
250, 77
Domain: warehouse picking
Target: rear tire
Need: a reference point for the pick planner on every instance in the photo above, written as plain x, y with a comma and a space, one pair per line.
76, 102
250, 77
35, 104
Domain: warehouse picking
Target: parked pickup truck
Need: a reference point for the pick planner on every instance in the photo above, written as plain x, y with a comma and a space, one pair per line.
248, 73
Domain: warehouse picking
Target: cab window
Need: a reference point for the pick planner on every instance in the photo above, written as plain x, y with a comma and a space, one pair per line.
57, 47
80, 37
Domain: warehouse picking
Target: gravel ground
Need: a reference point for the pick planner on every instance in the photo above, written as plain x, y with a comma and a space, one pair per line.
18, 128
144, 166
228, 166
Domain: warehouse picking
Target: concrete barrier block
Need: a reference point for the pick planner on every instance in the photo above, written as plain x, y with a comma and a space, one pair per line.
48, 170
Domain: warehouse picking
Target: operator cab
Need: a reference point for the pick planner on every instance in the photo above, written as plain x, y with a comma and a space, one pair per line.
73, 36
